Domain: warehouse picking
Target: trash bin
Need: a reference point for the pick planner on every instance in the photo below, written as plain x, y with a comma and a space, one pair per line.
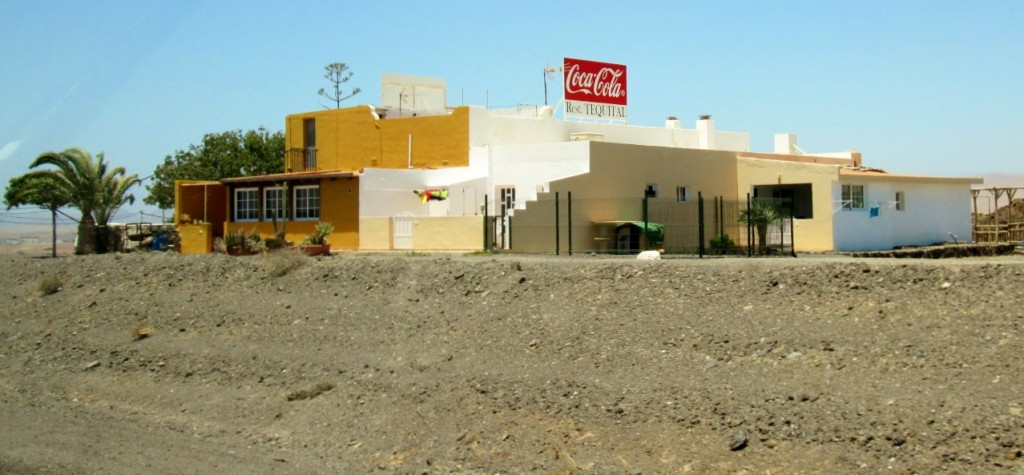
160, 242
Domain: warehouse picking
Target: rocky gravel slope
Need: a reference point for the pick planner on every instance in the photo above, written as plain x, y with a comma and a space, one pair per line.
163, 363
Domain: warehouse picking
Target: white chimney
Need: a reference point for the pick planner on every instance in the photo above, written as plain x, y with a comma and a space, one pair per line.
671, 122
785, 144
705, 133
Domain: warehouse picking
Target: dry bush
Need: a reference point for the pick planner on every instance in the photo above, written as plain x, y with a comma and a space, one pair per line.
142, 331
283, 261
218, 246
311, 392
50, 285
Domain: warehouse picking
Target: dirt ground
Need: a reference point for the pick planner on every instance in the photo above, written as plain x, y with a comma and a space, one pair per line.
166, 363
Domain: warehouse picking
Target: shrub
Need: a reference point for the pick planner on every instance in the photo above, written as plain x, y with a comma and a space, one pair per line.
219, 246
722, 243
51, 284
283, 261
235, 238
311, 392
319, 234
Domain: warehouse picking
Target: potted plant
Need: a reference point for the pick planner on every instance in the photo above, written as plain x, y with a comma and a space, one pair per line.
241, 243
315, 244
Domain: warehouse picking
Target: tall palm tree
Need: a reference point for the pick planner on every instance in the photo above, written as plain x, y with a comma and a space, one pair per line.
91, 186
761, 214
114, 194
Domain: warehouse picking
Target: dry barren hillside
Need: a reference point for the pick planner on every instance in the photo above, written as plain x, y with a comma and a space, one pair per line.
163, 363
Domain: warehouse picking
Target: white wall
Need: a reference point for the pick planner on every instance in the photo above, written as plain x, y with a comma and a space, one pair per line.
489, 129
933, 211
528, 167
389, 192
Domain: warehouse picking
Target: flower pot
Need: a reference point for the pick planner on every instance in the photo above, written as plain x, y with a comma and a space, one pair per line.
240, 251
316, 249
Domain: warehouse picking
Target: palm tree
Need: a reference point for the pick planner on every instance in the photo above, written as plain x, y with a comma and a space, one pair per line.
760, 214
90, 186
114, 194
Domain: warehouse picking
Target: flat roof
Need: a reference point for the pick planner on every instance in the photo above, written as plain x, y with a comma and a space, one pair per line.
291, 176
879, 174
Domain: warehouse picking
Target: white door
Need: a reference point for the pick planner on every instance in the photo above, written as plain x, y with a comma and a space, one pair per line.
402, 237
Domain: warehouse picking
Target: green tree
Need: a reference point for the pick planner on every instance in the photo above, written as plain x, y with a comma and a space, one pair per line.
41, 191
225, 155
91, 186
337, 74
761, 214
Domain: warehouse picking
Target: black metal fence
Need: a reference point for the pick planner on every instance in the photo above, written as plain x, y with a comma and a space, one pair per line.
700, 226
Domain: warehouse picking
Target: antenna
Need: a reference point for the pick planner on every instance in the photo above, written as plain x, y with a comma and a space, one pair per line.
548, 70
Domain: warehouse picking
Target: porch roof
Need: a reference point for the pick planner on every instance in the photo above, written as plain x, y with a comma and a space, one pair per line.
291, 176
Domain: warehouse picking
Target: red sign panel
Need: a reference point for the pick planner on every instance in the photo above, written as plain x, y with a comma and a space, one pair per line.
591, 81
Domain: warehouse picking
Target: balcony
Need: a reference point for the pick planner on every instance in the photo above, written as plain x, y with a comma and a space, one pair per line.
301, 160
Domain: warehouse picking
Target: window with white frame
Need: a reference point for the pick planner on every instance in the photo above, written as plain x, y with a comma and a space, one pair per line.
853, 196
273, 204
307, 203
247, 204
901, 203
682, 194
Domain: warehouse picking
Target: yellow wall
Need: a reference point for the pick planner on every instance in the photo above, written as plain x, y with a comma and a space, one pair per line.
339, 205
195, 238
440, 233
375, 234
350, 139
808, 234
452, 233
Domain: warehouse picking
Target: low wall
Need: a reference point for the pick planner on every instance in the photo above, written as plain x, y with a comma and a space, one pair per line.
429, 233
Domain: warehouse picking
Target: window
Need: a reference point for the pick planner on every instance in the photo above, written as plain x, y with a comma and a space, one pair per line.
307, 203
273, 204
900, 201
682, 194
247, 204
651, 191
853, 196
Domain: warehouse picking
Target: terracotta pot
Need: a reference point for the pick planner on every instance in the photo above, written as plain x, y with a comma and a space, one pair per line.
316, 249
240, 251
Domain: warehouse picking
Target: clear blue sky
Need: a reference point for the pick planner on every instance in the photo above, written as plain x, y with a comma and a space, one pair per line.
923, 87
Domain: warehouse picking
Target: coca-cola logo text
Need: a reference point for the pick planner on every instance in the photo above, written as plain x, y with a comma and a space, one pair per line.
591, 81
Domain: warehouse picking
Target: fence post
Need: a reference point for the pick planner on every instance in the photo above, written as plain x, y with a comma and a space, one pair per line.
750, 229
792, 234
557, 236
646, 244
721, 220
569, 216
717, 224
486, 224
700, 224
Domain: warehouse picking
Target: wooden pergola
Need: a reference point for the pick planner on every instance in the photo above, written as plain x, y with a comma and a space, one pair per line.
1006, 225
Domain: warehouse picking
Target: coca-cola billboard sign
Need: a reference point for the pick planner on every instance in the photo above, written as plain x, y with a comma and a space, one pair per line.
593, 89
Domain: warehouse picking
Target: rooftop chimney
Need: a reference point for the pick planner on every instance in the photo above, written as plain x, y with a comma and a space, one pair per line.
705, 133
